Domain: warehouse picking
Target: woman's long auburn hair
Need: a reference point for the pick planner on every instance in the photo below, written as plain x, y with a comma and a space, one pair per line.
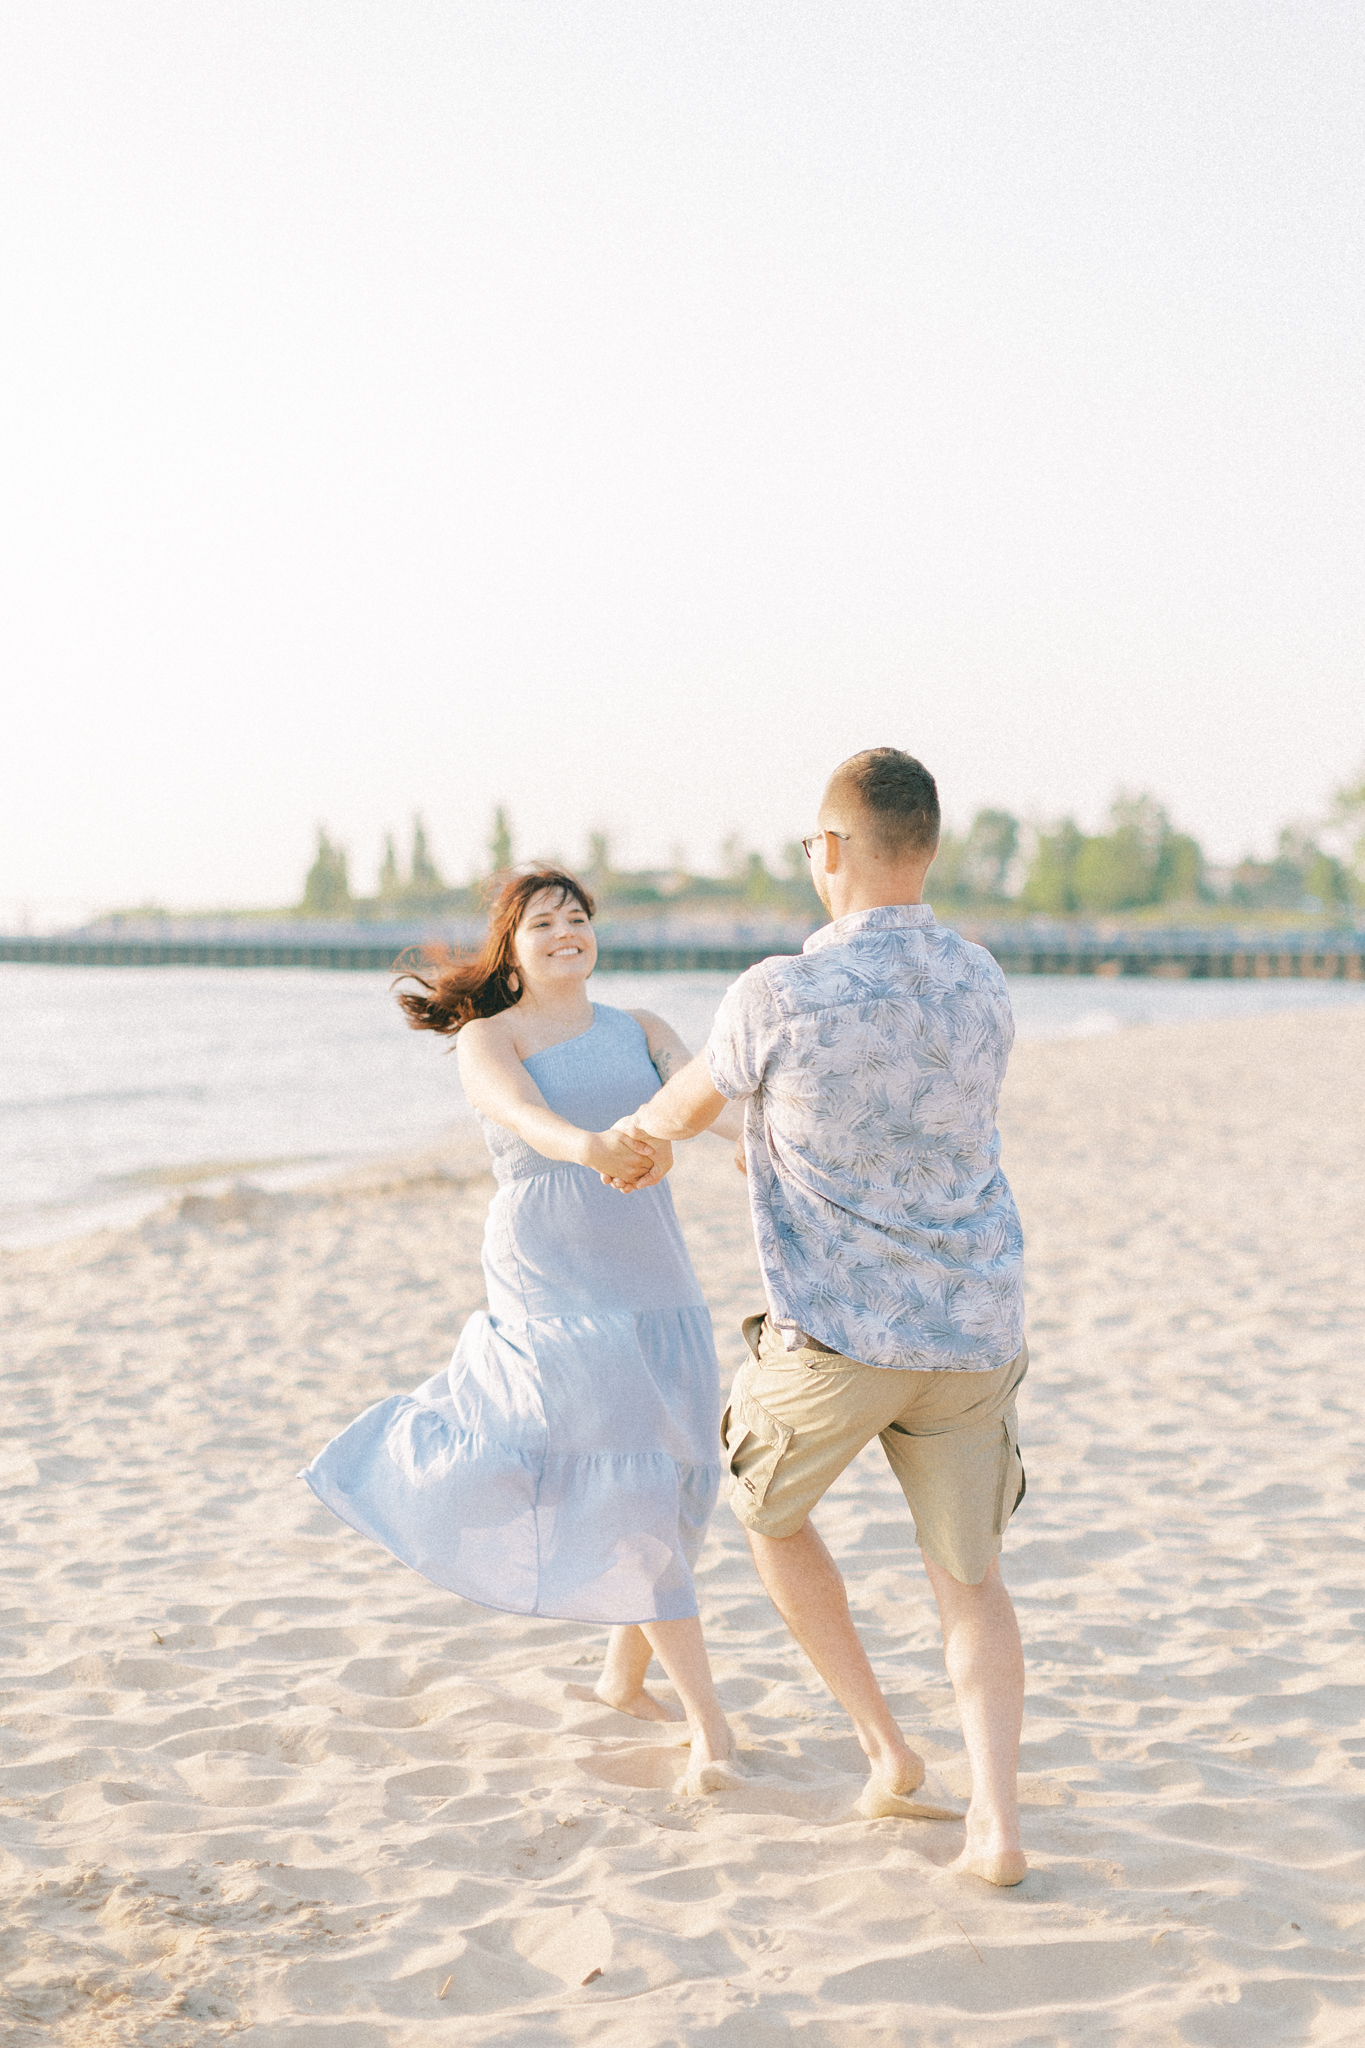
459, 988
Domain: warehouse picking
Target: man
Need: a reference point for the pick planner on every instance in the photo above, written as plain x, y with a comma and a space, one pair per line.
871, 1067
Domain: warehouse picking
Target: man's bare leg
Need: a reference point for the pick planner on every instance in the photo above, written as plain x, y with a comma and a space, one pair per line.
622, 1684
805, 1586
681, 1649
985, 1661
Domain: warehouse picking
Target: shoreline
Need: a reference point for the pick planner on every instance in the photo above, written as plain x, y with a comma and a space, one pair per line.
1055, 1010
227, 1188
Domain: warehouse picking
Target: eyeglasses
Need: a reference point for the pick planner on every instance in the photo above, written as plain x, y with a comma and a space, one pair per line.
809, 842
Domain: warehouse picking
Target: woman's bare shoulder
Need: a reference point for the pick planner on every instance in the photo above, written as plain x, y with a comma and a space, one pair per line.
488, 1034
656, 1029
647, 1021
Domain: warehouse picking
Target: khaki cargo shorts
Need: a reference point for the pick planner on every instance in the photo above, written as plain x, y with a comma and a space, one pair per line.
795, 1419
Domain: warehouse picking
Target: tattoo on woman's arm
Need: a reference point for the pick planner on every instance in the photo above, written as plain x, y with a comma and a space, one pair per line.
666, 1063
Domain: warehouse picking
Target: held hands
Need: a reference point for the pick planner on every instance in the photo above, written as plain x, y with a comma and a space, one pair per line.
627, 1159
658, 1156
640, 1160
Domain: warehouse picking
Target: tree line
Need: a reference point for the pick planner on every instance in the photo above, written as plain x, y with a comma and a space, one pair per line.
417, 887
1141, 860
999, 863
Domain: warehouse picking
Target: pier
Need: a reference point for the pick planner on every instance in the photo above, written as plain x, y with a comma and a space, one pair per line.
344, 956
1296, 957
1192, 955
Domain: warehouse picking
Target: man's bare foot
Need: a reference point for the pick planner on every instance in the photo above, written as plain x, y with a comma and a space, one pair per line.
641, 1705
1007, 1867
992, 1857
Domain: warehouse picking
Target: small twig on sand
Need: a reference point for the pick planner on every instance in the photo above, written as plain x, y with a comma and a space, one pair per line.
968, 1939
446, 1986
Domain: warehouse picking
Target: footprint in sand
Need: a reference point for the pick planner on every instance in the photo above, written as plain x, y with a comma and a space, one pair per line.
874, 1804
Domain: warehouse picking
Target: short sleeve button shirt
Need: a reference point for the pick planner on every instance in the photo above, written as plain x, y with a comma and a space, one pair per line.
872, 1065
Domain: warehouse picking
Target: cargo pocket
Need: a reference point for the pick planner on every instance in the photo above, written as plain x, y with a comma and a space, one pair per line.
754, 1444
1011, 1472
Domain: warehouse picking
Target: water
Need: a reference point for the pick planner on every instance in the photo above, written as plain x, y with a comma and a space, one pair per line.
120, 1087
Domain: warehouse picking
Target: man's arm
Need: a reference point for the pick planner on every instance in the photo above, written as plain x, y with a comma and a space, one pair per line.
689, 1101
670, 1056
684, 1106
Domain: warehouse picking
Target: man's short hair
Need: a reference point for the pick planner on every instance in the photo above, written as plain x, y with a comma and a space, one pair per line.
897, 794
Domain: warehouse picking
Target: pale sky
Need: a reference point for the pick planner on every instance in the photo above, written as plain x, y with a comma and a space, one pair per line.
624, 411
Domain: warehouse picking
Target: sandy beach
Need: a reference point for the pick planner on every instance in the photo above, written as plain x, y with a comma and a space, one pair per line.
260, 1782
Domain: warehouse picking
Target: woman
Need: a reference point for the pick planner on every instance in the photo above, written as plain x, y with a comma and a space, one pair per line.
568, 1461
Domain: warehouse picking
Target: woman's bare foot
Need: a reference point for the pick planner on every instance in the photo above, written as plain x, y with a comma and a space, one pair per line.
641, 1705
891, 1806
682, 1652
622, 1684
712, 1766
894, 1775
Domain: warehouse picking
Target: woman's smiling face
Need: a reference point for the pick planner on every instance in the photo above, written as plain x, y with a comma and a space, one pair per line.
554, 944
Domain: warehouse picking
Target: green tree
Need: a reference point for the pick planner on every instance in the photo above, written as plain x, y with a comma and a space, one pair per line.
975, 868
759, 886
500, 843
1327, 880
425, 875
946, 870
1112, 874
1179, 869
600, 870
1348, 816
327, 890
987, 856
1050, 884
1119, 869
1301, 876
1253, 884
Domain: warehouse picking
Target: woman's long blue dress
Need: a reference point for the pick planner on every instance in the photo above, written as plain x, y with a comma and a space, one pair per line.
567, 1461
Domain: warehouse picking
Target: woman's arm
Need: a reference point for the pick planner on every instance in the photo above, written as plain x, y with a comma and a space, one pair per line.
670, 1056
498, 1085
